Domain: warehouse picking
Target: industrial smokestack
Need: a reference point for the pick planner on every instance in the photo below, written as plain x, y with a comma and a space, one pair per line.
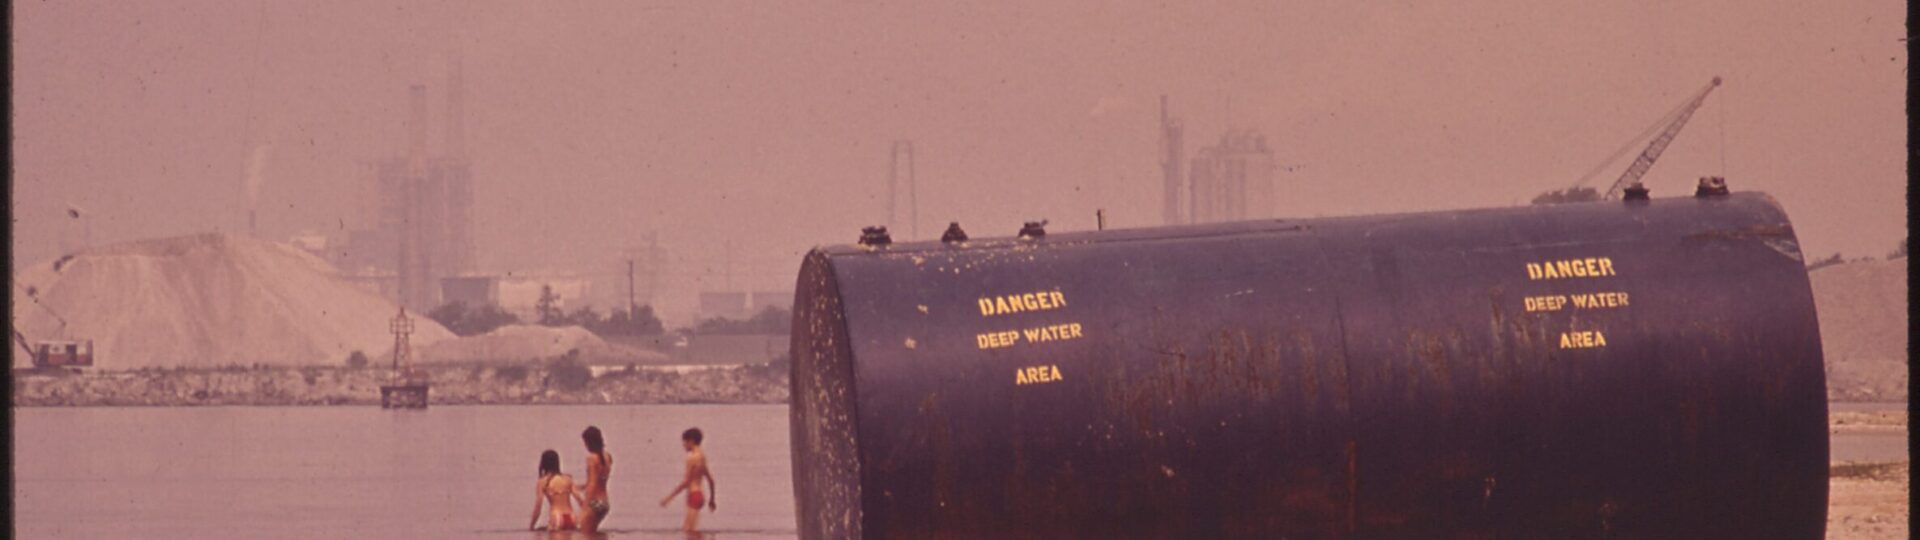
417, 130
903, 153
456, 105
256, 175
1172, 164
412, 265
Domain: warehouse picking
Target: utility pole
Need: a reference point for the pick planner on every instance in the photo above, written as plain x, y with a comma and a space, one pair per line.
631, 307
655, 266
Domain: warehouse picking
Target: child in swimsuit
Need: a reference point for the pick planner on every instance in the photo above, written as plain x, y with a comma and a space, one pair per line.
599, 467
696, 471
556, 490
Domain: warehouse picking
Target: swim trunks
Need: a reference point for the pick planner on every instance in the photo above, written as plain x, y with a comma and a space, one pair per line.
695, 499
599, 507
565, 523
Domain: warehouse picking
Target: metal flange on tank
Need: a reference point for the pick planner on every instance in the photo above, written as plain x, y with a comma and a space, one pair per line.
1640, 369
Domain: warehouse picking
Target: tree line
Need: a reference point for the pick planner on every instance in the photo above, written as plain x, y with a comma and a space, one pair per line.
1898, 252
464, 320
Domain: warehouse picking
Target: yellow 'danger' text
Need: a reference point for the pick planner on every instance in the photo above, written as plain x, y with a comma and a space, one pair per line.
996, 340
1008, 304
1598, 300
1582, 340
1052, 333
1021, 303
1037, 334
1571, 268
1036, 375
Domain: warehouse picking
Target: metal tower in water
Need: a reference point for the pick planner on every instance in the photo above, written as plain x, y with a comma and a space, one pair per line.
402, 328
408, 389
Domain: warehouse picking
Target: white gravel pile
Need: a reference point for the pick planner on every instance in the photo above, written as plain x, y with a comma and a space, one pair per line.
1863, 327
203, 301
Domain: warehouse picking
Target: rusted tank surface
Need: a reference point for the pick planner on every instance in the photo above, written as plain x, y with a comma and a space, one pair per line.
1642, 369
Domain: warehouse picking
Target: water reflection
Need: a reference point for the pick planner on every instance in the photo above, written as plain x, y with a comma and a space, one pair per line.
344, 472
716, 534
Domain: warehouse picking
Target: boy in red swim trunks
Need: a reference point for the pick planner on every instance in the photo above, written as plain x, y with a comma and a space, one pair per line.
696, 470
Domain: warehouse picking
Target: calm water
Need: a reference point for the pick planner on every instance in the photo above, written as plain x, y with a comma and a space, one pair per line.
1866, 406
360, 472
448, 472
1869, 446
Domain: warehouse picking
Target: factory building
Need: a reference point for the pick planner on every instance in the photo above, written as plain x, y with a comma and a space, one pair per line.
1229, 181
1232, 180
723, 304
415, 221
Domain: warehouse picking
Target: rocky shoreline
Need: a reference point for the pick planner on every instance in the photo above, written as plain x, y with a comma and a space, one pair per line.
488, 384
522, 384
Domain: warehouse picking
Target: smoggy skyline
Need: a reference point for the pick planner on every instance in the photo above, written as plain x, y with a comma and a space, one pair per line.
749, 131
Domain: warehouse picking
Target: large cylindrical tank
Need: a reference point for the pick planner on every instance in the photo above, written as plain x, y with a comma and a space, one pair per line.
1640, 369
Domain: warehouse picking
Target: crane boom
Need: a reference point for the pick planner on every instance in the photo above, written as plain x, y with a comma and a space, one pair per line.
22, 341
1660, 142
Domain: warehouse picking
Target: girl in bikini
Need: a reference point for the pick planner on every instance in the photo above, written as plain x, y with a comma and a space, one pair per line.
556, 489
599, 466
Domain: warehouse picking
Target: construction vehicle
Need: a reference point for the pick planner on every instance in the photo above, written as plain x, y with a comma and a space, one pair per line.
1667, 127
63, 354
55, 353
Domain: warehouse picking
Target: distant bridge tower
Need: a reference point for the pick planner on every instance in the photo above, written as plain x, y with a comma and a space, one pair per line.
903, 151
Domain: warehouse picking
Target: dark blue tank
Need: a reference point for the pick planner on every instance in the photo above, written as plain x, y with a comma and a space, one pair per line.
1639, 369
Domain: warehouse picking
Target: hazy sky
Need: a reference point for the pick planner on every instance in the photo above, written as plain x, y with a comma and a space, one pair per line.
766, 125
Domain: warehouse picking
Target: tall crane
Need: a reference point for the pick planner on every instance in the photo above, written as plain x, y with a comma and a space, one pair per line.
1660, 142
33, 296
51, 353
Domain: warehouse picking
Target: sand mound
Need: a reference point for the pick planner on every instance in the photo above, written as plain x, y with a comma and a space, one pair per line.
520, 343
1863, 327
203, 301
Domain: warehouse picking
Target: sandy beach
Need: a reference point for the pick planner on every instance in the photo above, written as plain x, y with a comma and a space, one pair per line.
1869, 500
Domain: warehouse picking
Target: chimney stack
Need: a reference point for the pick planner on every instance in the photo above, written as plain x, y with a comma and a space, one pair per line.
417, 130
1172, 164
456, 104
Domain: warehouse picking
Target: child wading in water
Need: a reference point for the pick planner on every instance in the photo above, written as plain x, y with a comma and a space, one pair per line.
696, 470
555, 490
594, 494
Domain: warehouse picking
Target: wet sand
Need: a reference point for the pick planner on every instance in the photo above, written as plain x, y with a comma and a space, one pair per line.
1868, 499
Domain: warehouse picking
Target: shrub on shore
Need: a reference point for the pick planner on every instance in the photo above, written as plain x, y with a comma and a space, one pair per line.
567, 373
